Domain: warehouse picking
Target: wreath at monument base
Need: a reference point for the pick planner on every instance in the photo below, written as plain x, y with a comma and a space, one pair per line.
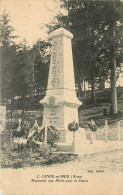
52, 135
73, 126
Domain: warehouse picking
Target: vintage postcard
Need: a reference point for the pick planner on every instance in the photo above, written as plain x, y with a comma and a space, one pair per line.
61, 97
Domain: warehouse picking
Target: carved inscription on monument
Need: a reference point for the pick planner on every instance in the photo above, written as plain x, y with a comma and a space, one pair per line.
56, 67
53, 117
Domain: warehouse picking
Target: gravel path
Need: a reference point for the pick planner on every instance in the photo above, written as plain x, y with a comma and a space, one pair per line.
87, 173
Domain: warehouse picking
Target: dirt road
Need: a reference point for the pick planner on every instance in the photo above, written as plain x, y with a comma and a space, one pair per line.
91, 174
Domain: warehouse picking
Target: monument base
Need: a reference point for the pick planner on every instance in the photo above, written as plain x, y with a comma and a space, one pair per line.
59, 114
68, 146
62, 135
64, 147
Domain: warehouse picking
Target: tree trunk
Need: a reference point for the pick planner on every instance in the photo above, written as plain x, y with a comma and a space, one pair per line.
93, 90
11, 108
38, 98
23, 114
0, 75
88, 86
113, 108
84, 88
113, 88
3, 96
79, 89
23, 107
101, 84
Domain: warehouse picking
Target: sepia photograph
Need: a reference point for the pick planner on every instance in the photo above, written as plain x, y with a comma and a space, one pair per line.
61, 97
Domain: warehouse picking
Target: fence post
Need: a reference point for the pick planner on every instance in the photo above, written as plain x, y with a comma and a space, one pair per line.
19, 127
91, 142
118, 130
36, 124
106, 132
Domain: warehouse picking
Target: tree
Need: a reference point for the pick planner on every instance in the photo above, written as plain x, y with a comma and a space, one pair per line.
81, 22
113, 43
40, 52
24, 69
8, 53
91, 23
8, 50
22, 82
30, 73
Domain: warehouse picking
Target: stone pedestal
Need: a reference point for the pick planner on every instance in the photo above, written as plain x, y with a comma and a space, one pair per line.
60, 103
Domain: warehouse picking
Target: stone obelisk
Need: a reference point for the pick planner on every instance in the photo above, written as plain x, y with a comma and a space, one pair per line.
60, 103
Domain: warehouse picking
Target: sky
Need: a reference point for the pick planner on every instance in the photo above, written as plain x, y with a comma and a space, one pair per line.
29, 16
